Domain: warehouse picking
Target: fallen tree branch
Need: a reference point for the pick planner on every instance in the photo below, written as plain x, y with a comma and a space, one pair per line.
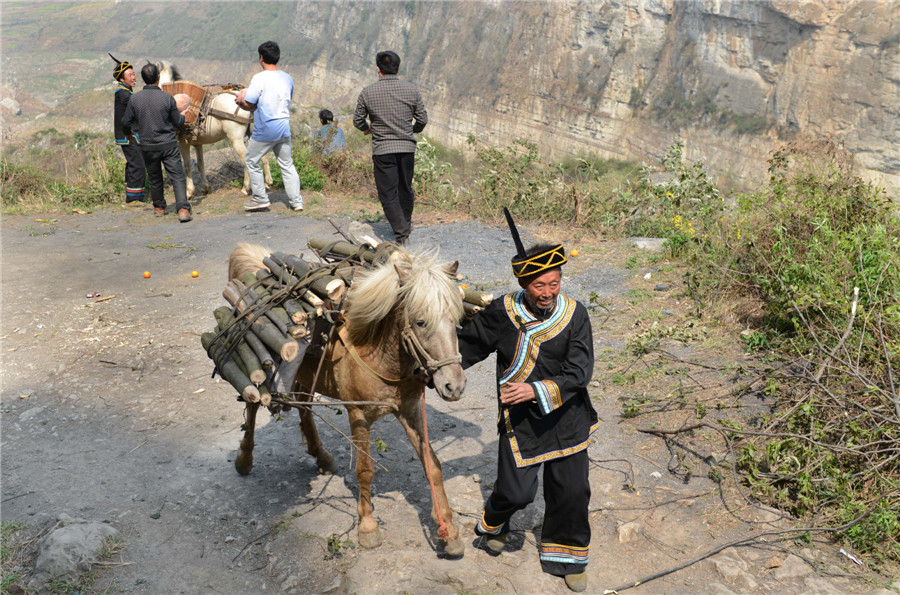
742, 540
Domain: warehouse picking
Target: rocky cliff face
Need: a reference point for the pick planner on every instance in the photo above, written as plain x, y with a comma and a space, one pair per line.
625, 78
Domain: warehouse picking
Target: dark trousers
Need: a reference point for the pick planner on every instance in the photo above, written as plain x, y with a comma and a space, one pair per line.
566, 532
393, 179
171, 160
135, 173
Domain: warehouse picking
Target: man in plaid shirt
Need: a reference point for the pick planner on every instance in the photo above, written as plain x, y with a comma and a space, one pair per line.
392, 111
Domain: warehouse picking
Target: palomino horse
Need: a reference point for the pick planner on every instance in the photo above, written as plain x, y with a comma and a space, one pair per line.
398, 316
214, 130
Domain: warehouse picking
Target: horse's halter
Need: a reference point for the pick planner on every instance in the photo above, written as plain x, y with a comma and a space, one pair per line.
415, 348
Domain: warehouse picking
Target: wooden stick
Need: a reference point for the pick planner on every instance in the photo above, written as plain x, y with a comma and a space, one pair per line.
251, 362
229, 368
268, 333
259, 348
314, 301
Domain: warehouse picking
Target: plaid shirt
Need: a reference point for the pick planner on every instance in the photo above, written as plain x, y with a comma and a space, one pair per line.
153, 116
391, 105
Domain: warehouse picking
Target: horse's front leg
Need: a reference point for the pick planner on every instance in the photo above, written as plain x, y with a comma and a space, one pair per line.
411, 420
185, 149
369, 534
244, 461
201, 167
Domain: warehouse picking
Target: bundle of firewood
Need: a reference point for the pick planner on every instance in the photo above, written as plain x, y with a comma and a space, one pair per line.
259, 341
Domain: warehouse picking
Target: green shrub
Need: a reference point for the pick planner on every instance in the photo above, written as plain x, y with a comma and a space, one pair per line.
311, 177
819, 248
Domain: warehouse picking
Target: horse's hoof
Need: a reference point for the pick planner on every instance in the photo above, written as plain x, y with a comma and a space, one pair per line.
454, 548
243, 463
370, 540
326, 465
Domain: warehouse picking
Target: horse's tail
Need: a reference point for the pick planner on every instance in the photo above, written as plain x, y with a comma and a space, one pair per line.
246, 258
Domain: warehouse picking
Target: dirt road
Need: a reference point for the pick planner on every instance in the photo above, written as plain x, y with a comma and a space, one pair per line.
109, 413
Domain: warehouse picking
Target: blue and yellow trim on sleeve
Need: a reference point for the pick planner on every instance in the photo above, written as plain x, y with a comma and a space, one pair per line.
566, 554
535, 332
482, 528
548, 395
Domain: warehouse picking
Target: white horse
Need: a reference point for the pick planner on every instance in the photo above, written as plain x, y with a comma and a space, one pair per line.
214, 129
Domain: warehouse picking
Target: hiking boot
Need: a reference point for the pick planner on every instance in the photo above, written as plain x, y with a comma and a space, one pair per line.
256, 206
159, 211
577, 582
495, 543
184, 215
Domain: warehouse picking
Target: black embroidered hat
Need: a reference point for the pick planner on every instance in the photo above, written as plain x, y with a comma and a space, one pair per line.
120, 68
527, 266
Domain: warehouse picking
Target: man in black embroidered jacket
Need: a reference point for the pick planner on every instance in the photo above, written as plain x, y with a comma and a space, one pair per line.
545, 359
154, 116
135, 173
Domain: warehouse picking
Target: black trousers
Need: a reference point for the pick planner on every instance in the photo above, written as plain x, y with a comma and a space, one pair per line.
393, 179
566, 532
170, 159
135, 172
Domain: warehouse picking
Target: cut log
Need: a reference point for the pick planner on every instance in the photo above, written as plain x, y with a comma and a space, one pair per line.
276, 314
342, 249
295, 311
329, 286
292, 264
476, 297
229, 369
279, 272
284, 375
252, 364
471, 309
314, 301
265, 397
260, 349
268, 333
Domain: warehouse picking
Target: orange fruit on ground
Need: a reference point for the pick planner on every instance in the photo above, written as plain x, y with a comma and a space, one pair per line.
195, 274
574, 252
146, 274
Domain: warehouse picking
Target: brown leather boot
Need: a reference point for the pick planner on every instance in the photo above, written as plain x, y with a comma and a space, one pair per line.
577, 582
159, 211
184, 215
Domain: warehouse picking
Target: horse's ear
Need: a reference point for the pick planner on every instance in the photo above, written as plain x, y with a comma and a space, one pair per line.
401, 274
451, 269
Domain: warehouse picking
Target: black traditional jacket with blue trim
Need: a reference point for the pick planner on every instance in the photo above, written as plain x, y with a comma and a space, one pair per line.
556, 356
123, 96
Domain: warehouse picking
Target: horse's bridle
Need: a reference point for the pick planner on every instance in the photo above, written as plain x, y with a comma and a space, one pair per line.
413, 347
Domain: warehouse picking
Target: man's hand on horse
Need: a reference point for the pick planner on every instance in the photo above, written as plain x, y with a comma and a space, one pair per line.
514, 393
241, 101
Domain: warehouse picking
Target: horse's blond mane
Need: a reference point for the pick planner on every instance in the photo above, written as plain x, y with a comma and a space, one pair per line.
427, 291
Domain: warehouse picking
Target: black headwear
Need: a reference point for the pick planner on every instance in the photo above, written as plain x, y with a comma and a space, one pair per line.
120, 68
526, 266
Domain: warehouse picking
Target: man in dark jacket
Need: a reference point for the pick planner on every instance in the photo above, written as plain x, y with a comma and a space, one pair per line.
135, 173
545, 359
395, 114
153, 114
